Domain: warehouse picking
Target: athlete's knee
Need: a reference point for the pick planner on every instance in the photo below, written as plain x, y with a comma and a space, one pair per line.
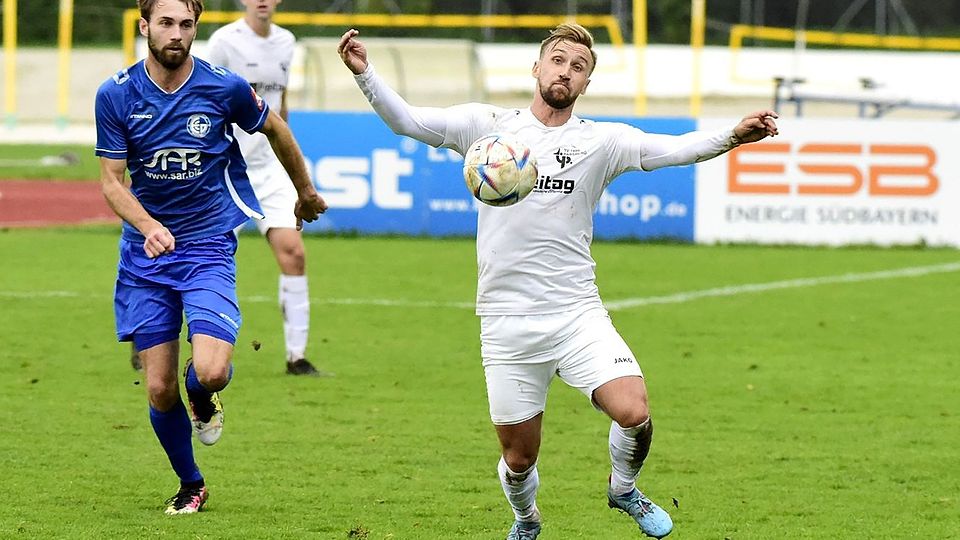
295, 252
214, 376
295, 263
162, 393
292, 256
519, 454
632, 416
519, 461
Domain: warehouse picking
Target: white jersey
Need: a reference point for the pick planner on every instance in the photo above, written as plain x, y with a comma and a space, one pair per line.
265, 63
534, 257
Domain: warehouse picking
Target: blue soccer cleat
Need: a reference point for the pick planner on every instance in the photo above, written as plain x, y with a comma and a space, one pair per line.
524, 530
653, 520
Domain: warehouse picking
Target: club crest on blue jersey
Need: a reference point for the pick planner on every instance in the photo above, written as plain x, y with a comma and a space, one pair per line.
198, 125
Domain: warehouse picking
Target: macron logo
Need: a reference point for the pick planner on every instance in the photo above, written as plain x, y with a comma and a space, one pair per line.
137, 116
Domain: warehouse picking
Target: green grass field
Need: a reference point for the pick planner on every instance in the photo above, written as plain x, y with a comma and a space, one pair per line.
809, 411
48, 162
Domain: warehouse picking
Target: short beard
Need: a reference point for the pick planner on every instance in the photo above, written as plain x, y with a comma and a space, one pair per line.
167, 61
556, 100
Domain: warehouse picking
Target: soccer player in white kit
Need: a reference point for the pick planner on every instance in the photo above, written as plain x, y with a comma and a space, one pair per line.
539, 307
261, 52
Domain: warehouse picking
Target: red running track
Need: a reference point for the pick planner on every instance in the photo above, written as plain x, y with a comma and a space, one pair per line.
41, 203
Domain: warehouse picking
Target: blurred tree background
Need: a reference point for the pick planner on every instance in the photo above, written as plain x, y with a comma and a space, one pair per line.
97, 22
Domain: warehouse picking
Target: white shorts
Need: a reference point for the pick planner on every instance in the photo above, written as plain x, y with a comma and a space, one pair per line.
276, 194
522, 353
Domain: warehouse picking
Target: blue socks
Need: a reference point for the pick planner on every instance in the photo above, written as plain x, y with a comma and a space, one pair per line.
173, 430
193, 383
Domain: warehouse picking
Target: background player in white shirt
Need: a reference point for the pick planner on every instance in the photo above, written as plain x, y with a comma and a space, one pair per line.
540, 310
261, 52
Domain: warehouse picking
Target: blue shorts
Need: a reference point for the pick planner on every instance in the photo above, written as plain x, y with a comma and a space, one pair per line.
198, 278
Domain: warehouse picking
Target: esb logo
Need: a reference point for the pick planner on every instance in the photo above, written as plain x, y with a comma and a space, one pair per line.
823, 169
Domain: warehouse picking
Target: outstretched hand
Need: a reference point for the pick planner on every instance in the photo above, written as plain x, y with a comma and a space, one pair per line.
308, 208
756, 126
352, 52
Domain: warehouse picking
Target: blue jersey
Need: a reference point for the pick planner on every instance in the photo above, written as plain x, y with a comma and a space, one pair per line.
185, 164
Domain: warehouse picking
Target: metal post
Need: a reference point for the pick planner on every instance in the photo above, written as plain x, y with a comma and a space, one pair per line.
64, 45
698, 15
800, 42
488, 7
904, 17
881, 17
10, 59
640, 51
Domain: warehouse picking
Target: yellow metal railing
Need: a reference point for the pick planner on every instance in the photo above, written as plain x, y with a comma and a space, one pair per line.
740, 32
841, 39
347, 20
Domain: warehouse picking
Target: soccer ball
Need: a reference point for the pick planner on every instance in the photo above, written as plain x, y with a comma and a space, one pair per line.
499, 170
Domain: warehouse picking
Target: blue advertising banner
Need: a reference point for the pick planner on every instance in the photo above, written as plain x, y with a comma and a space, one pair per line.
378, 182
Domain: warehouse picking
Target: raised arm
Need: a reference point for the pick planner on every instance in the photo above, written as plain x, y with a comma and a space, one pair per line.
309, 204
668, 150
426, 124
158, 240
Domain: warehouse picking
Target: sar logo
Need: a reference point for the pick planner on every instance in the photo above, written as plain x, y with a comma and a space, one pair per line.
198, 125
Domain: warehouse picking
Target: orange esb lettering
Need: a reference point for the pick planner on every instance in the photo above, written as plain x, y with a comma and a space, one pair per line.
840, 169
737, 168
878, 172
882, 178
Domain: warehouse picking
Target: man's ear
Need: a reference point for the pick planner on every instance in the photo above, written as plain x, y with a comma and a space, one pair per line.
535, 71
143, 26
584, 91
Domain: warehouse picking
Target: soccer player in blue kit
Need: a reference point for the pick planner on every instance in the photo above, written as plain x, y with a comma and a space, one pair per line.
168, 120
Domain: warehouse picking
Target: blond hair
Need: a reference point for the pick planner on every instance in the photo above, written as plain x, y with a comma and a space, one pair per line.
573, 33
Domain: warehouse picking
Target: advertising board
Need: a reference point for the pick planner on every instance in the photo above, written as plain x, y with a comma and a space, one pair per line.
835, 182
377, 182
